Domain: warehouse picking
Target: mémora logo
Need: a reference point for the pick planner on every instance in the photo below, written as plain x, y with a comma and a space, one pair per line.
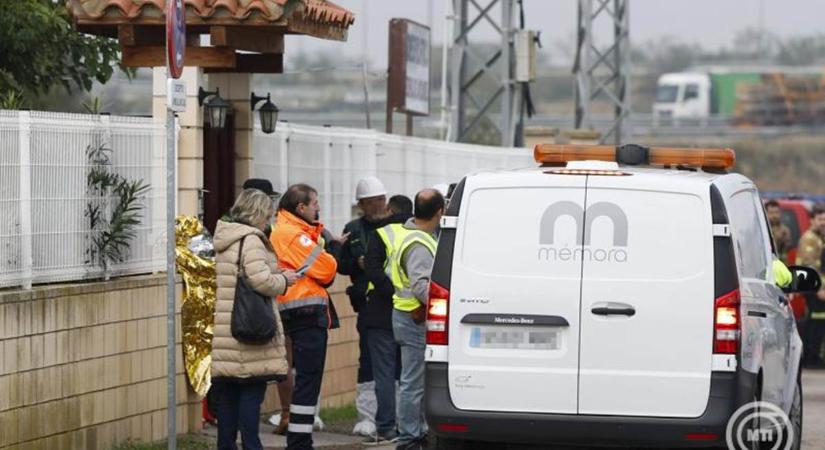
549, 250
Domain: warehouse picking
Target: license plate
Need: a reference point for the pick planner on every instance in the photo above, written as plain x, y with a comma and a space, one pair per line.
514, 338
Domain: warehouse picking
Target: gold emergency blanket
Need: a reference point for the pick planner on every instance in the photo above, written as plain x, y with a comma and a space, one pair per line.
198, 309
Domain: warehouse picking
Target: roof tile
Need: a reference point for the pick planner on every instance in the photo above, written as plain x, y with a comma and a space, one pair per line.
321, 11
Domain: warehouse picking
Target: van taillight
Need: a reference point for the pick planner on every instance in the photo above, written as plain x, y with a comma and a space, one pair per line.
437, 314
727, 324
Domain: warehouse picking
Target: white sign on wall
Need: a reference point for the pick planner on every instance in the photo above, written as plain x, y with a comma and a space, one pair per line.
417, 89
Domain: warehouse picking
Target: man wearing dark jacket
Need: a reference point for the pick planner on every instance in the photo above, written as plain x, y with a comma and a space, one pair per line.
376, 317
372, 200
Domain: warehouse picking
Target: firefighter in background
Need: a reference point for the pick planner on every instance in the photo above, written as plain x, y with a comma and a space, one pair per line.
810, 253
781, 233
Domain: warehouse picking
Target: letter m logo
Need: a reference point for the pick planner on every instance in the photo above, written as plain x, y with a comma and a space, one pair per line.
554, 212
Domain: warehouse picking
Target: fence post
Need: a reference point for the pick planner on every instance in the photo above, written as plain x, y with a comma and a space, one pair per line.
24, 147
285, 158
348, 175
327, 189
372, 155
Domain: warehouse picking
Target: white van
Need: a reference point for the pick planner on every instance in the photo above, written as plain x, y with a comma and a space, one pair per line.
605, 303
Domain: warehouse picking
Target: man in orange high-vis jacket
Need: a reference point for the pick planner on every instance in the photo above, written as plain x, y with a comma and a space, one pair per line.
306, 309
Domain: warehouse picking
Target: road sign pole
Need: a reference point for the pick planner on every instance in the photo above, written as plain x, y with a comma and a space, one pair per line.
171, 160
175, 101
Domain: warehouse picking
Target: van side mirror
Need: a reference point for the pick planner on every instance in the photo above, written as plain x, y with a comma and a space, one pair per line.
805, 279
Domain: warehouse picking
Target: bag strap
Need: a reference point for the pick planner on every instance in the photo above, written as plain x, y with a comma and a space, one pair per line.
240, 255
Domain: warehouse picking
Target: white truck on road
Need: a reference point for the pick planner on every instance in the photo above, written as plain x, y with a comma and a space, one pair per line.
703, 92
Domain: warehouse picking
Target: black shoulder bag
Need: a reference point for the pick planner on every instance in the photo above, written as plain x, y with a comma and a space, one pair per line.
253, 320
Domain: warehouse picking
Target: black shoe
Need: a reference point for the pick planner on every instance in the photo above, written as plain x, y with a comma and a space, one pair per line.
381, 438
417, 444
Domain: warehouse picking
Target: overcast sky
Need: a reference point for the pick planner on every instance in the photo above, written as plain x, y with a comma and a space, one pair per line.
709, 22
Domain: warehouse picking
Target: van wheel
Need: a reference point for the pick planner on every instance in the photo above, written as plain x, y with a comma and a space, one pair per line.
754, 422
795, 419
755, 444
795, 415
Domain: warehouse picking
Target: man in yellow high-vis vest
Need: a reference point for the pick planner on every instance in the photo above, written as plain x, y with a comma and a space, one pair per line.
410, 254
377, 319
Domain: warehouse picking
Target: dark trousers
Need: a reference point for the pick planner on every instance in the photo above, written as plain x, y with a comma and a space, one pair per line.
365, 374
812, 345
238, 407
384, 355
309, 351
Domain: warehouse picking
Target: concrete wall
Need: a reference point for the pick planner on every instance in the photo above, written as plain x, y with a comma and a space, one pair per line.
83, 366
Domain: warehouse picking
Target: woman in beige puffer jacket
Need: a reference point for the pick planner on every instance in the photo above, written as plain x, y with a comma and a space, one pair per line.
240, 371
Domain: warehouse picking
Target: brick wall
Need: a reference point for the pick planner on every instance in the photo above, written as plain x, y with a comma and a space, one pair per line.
84, 366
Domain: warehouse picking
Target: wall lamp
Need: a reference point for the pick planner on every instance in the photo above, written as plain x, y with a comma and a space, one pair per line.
268, 112
216, 107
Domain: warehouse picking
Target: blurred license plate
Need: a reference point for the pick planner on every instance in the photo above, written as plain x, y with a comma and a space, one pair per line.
515, 338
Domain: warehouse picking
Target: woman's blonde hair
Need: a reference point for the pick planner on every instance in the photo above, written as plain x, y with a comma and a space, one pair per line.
252, 207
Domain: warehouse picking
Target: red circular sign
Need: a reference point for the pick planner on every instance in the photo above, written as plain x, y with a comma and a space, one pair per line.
175, 37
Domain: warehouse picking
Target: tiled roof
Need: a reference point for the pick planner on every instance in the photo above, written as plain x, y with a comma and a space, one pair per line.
319, 12
324, 11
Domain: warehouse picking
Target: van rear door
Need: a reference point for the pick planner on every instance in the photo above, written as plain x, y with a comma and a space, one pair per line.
647, 297
514, 294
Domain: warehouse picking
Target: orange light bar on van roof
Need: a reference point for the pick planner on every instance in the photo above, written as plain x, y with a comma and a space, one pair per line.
635, 155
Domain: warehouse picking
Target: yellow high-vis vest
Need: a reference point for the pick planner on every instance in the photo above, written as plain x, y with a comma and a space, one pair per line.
398, 240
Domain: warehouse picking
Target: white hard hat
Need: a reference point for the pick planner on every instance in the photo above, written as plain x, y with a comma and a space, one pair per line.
369, 187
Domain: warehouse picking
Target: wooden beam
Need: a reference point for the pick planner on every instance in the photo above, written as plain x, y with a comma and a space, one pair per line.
260, 40
254, 63
155, 56
97, 30
137, 35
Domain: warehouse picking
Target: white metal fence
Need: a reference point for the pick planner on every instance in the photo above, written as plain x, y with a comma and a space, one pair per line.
44, 232
332, 159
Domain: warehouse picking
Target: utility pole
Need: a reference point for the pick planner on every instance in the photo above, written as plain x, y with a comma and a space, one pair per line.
603, 71
472, 69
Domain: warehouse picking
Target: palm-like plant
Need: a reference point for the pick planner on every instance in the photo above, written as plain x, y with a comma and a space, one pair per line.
113, 210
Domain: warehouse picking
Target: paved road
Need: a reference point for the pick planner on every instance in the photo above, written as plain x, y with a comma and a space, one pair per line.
813, 425
813, 433
813, 436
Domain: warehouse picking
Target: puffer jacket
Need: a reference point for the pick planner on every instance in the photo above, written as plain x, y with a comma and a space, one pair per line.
232, 360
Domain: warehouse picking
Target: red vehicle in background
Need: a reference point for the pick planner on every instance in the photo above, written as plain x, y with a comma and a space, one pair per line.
796, 215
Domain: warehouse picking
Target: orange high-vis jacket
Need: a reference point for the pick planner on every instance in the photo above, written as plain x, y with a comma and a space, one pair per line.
296, 243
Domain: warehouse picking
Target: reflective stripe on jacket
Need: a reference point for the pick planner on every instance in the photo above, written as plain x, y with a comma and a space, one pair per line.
306, 303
